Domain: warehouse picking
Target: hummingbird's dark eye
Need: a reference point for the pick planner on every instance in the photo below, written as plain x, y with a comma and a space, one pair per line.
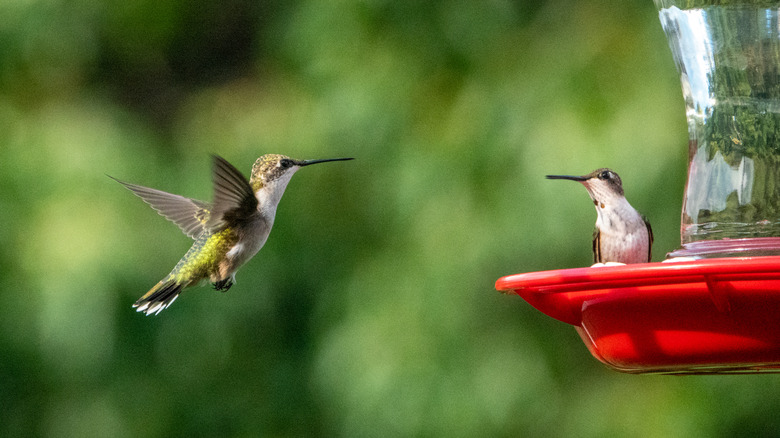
286, 163
605, 175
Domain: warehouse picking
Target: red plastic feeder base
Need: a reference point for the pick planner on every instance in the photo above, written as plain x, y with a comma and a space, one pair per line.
700, 317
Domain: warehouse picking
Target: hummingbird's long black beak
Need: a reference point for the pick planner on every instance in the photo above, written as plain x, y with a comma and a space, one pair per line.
307, 162
569, 177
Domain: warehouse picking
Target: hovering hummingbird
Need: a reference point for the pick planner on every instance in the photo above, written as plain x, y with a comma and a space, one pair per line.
622, 235
227, 232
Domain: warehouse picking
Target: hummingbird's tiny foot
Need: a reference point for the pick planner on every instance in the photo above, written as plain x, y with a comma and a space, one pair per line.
223, 285
601, 265
679, 259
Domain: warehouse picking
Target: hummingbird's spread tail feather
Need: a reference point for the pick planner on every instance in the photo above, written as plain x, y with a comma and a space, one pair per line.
162, 295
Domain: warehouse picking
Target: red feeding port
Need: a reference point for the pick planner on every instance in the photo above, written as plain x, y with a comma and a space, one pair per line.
705, 316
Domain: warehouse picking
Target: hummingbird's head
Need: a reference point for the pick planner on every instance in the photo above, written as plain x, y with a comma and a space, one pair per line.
274, 170
270, 168
603, 185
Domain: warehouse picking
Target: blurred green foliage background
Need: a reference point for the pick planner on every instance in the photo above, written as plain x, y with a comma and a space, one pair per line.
371, 310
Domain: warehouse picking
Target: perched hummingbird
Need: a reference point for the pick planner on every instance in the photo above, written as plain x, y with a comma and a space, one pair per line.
622, 235
227, 232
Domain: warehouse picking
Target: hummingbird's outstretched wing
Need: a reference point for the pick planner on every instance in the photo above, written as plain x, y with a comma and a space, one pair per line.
189, 214
234, 199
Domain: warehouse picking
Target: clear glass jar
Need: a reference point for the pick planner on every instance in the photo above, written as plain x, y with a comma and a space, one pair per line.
728, 57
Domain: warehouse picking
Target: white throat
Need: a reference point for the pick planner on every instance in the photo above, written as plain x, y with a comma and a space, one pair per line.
270, 194
618, 216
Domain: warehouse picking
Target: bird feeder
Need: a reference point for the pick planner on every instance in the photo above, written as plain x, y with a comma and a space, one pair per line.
719, 311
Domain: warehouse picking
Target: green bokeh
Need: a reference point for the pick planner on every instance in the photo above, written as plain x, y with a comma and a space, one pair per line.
371, 310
